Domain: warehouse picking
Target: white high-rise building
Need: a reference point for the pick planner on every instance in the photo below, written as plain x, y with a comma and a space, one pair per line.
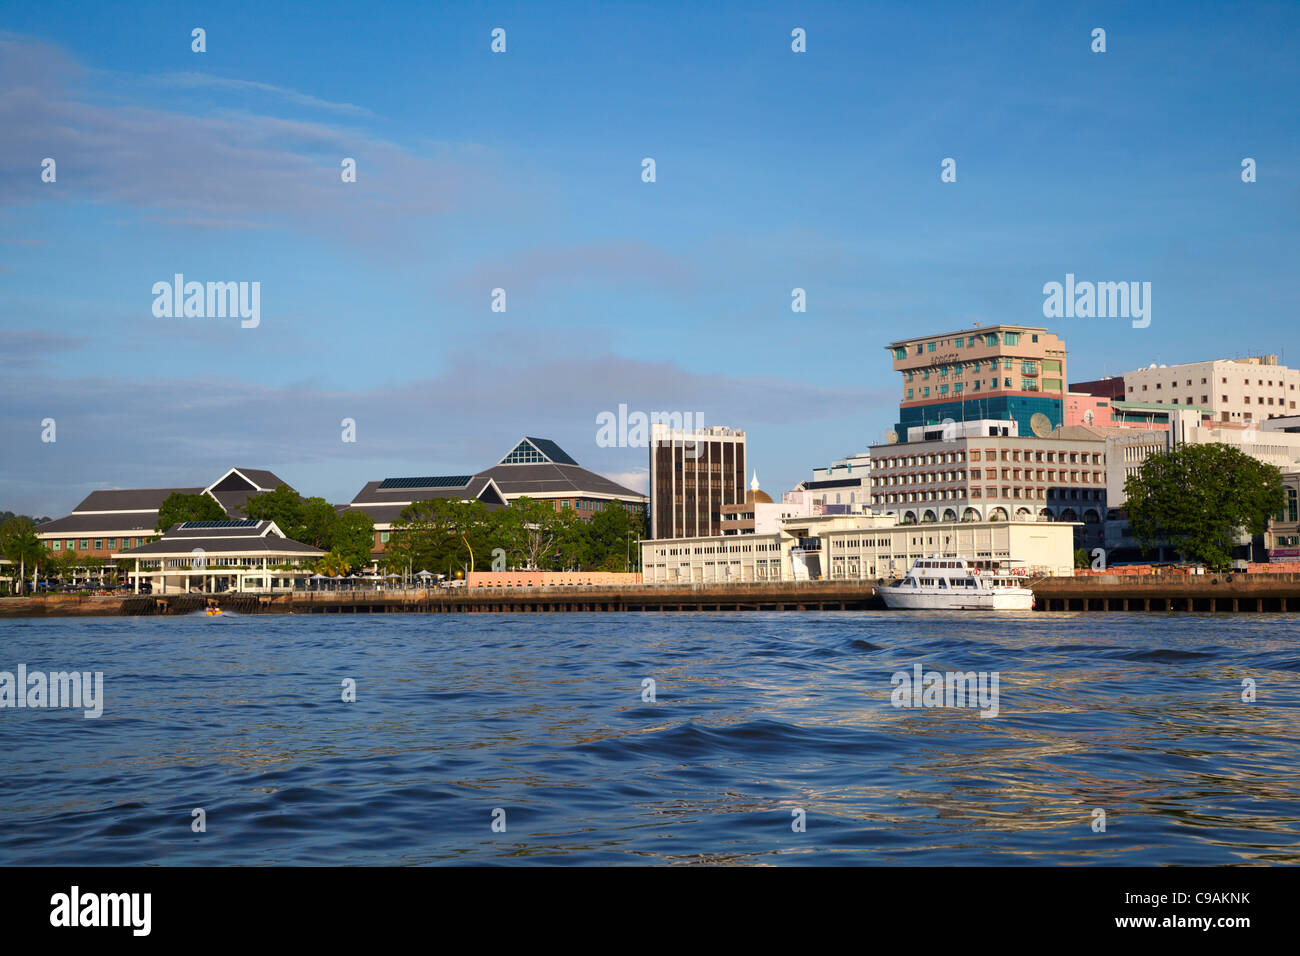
1234, 390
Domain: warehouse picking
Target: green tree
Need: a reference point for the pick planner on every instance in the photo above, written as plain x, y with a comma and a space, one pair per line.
334, 564
444, 532
284, 506
534, 533
181, 507
318, 520
1199, 498
353, 537
1081, 559
611, 534
18, 543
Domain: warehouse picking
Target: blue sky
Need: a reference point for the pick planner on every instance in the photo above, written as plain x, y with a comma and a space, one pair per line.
522, 170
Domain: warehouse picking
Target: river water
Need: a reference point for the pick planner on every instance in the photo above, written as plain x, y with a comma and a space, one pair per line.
771, 739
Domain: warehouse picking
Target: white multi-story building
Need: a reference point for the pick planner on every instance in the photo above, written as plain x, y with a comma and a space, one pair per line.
986, 471
1234, 390
1271, 442
843, 488
854, 547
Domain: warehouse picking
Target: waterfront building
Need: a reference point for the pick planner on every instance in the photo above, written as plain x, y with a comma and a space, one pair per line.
1230, 390
862, 547
1084, 409
844, 487
1126, 451
108, 521
759, 514
1108, 386
987, 471
540, 469
1291, 423
212, 556
383, 501
1282, 540
233, 489
995, 372
693, 474
116, 519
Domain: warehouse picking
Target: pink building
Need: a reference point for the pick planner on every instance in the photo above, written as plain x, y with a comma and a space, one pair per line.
1084, 409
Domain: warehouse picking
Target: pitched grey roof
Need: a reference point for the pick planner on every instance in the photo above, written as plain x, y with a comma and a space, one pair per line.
264, 479
232, 502
551, 450
218, 545
124, 524
385, 505
139, 507
232, 538
552, 480
130, 499
406, 490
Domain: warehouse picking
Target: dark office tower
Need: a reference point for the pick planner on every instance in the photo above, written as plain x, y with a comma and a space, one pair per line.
693, 473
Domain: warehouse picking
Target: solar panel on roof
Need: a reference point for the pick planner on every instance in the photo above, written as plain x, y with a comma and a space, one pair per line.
245, 523
436, 481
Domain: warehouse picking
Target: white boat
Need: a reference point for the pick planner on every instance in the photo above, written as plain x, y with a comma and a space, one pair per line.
953, 584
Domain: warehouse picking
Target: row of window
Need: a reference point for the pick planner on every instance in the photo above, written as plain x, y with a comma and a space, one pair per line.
1224, 380
992, 454
959, 388
712, 549
991, 491
957, 370
978, 474
985, 338
114, 544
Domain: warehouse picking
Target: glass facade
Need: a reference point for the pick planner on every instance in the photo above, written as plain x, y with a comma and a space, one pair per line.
1017, 408
524, 454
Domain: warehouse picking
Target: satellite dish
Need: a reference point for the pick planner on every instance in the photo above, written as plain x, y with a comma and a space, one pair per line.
1040, 425
891, 436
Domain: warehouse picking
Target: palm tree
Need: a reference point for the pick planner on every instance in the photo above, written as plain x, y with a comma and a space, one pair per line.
333, 564
18, 543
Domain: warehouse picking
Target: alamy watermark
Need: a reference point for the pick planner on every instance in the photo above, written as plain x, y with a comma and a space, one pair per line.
950, 689
1100, 300
632, 429
37, 689
215, 300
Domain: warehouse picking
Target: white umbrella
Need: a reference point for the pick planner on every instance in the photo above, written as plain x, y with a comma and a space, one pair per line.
423, 574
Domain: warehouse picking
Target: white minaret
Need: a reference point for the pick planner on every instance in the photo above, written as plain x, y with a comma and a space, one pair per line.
753, 485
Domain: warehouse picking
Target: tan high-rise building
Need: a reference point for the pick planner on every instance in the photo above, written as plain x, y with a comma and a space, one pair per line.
1233, 390
693, 473
992, 372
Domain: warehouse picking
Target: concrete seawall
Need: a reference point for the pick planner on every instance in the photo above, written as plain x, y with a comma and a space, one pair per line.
1213, 593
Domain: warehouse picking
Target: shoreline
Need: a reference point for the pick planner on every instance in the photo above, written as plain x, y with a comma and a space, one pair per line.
1235, 593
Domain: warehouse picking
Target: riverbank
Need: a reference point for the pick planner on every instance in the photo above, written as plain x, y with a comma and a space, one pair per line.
1212, 593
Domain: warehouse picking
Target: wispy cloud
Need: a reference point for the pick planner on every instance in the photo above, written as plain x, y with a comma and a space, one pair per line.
26, 348
230, 169
194, 81
211, 422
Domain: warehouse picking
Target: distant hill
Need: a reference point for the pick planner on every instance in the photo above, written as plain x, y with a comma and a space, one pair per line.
6, 515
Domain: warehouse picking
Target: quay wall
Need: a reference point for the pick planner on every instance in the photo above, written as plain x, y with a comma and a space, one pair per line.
1208, 593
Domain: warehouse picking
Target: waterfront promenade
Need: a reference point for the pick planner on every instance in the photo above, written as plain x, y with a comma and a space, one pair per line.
1208, 593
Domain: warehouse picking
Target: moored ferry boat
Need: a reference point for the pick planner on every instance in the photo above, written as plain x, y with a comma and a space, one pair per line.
941, 584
